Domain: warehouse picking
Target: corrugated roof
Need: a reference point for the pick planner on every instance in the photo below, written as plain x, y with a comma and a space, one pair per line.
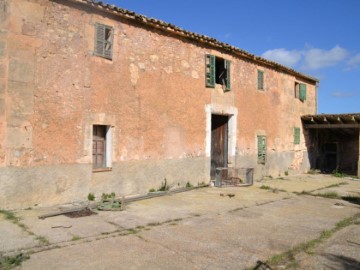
158, 24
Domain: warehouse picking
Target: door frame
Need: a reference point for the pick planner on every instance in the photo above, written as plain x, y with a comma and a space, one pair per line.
232, 113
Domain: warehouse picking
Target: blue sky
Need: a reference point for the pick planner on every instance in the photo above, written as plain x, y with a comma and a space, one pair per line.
320, 38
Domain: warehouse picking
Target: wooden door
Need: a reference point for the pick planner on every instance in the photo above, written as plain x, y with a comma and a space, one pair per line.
99, 146
219, 142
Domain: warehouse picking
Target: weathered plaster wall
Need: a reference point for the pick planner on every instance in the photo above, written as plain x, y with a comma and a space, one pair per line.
152, 93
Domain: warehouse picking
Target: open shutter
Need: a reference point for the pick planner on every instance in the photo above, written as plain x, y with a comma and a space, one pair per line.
261, 149
210, 70
228, 78
260, 80
302, 94
296, 135
109, 37
104, 36
99, 39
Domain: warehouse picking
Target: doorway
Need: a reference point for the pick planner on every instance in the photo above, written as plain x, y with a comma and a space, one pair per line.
219, 142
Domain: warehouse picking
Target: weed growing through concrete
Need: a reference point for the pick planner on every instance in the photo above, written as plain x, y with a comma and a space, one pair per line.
330, 195
9, 262
10, 216
287, 259
42, 240
75, 238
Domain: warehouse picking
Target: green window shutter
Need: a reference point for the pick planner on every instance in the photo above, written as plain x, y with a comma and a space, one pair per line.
210, 70
260, 80
302, 94
296, 135
261, 140
228, 80
104, 37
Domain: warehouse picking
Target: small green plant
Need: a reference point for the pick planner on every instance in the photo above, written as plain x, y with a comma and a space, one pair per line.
42, 240
75, 238
339, 174
329, 195
8, 262
286, 173
91, 197
188, 185
164, 186
265, 187
10, 216
152, 190
106, 196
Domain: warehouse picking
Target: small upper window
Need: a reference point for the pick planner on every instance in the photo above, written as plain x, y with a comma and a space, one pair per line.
260, 80
300, 91
217, 71
104, 36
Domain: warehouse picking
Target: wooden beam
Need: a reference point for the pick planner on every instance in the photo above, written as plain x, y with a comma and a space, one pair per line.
332, 125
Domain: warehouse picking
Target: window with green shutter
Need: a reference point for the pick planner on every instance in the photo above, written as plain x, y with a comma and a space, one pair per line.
217, 71
296, 135
260, 80
210, 70
104, 36
261, 143
302, 92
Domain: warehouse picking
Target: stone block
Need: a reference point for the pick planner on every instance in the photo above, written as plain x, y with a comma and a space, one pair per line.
19, 137
2, 49
2, 107
21, 71
2, 70
22, 96
2, 87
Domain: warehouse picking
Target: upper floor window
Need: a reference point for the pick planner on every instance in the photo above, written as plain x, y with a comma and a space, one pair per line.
300, 91
260, 80
217, 71
104, 36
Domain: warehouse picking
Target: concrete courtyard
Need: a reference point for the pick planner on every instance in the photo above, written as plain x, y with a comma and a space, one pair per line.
199, 229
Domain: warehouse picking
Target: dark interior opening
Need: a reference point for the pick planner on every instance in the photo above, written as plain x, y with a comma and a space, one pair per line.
220, 71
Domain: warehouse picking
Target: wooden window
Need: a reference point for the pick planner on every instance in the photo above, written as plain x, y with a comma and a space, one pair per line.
261, 141
296, 135
104, 36
260, 80
99, 146
300, 91
217, 71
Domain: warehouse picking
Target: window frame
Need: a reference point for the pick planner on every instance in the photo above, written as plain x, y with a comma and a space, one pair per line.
300, 91
210, 72
297, 135
101, 41
261, 149
107, 147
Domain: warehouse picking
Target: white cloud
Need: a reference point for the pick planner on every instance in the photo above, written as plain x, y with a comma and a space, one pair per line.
343, 94
354, 61
283, 56
318, 58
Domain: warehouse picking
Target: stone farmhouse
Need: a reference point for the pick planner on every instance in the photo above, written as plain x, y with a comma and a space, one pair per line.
95, 98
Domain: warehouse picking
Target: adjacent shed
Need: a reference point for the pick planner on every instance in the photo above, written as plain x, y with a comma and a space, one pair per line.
333, 142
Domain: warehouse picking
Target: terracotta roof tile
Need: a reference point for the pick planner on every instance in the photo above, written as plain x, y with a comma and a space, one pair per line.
191, 35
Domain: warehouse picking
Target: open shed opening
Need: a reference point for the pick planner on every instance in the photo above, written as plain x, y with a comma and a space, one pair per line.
333, 142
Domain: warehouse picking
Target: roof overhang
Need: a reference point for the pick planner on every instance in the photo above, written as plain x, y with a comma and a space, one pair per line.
318, 121
211, 42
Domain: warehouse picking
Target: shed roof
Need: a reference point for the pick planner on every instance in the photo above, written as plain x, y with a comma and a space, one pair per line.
167, 27
350, 120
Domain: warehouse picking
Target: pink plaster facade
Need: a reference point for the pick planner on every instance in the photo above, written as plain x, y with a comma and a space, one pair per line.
151, 95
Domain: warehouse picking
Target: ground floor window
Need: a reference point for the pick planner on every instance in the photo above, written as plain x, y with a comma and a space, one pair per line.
101, 147
261, 141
